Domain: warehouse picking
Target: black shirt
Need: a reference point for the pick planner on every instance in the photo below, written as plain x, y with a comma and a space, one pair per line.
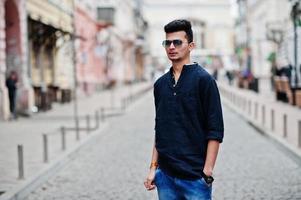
11, 85
188, 114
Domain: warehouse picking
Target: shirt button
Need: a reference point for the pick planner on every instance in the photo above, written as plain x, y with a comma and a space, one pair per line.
174, 85
174, 93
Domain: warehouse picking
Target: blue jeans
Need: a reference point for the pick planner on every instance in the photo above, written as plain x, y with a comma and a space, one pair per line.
170, 188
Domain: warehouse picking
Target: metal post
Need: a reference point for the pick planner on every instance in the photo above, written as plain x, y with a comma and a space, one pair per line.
295, 71
244, 101
112, 97
20, 162
123, 104
131, 92
96, 119
45, 147
88, 123
263, 114
77, 131
285, 125
63, 132
272, 119
76, 120
256, 110
250, 107
299, 130
102, 114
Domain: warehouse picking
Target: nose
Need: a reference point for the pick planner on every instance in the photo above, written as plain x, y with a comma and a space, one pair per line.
172, 46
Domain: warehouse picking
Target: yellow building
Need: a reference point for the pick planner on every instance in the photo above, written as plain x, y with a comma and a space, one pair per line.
50, 49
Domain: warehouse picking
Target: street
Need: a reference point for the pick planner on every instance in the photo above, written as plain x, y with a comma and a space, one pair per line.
114, 165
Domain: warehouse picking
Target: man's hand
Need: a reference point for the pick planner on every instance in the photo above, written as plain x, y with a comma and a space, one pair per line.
149, 181
208, 171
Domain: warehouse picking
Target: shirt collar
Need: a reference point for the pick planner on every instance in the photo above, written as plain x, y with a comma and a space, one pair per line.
186, 66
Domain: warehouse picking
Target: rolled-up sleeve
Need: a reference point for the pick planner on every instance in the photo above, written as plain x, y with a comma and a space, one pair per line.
213, 114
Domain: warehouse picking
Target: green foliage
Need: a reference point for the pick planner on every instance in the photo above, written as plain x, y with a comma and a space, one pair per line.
272, 57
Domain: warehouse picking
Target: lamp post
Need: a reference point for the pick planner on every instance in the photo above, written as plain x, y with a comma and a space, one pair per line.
76, 120
295, 15
275, 32
244, 17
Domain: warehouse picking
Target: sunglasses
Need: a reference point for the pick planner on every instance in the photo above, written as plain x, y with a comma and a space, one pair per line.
176, 43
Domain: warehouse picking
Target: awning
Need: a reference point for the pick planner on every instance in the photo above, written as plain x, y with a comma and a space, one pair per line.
50, 14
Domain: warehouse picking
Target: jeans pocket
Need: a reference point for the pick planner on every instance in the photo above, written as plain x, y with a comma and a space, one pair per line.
157, 175
206, 184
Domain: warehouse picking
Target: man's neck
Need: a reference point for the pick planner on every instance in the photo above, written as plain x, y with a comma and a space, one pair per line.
178, 66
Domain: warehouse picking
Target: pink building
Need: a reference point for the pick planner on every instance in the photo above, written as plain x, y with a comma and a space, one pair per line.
90, 56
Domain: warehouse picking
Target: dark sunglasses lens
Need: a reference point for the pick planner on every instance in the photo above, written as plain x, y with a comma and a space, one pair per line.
166, 43
177, 42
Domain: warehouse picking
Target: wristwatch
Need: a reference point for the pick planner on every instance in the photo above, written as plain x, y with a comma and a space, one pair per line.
208, 179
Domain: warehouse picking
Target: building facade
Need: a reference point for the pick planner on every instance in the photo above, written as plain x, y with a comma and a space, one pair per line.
125, 39
211, 20
265, 27
50, 50
90, 55
13, 55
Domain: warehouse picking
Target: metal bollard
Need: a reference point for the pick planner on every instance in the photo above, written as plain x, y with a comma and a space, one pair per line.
130, 99
88, 123
242, 103
123, 104
96, 119
256, 110
45, 147
77, 130
263, 114
63, 132
272, 119
102, 114
112, 98
250, 106
285, 125
299, 135
20, 162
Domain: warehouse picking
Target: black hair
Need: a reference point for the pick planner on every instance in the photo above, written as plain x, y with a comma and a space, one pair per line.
180, 25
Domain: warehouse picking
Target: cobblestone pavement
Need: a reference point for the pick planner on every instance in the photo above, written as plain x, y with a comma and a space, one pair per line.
113, 166
29, 132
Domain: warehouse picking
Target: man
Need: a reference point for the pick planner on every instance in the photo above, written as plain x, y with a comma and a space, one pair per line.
189, 123
11, 84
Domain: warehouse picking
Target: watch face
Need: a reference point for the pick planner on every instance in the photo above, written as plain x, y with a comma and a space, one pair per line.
209, 179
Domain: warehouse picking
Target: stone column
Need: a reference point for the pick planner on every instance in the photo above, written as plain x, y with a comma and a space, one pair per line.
4, 105
25, 97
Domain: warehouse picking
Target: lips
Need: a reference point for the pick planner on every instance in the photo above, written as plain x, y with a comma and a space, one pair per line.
172, 54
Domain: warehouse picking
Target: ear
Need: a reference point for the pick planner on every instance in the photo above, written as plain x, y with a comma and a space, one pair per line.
191, 46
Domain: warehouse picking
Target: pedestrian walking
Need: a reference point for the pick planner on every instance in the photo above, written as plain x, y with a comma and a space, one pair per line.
188, 124
11, 84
